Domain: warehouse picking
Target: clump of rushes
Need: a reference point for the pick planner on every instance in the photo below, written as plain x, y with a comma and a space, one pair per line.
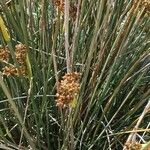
10, 69
61, 5
67, 90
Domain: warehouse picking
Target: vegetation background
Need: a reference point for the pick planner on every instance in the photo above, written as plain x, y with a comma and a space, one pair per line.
44, 43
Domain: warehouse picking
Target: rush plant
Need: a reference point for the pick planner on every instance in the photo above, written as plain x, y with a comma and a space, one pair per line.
75, 75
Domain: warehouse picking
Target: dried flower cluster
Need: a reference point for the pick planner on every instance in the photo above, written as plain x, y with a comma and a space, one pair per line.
68, 88
133, 146
4, 54
61, 5
20, 53
10, 69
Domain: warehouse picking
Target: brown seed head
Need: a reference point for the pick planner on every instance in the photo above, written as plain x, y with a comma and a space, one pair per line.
20, 53
60, 5
4, 54
67, 89
9, 70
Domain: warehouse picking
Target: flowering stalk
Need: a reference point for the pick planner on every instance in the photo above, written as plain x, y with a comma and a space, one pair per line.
67, 92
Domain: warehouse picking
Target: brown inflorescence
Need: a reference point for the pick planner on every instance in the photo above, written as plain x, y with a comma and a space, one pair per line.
10, 69
61, 5
133, 146
4, 54
68, 88
20, 52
